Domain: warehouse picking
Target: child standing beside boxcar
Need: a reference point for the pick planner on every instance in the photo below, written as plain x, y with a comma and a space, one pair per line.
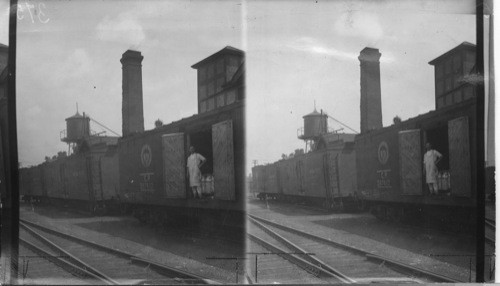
431, 159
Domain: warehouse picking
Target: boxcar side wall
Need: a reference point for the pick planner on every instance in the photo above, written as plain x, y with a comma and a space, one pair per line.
378, 158
52, 179
271, 183
110, 176
37, 183
142, 170
76, 185
289, 181
347, 173
314, 175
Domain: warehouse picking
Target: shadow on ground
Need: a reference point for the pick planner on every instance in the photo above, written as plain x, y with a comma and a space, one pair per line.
54, 212
453, 248
212, 248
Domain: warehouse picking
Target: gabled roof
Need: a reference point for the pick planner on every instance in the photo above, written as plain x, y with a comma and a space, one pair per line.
462, 46
226, 50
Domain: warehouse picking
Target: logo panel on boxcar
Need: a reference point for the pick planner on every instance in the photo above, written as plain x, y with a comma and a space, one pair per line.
383, 152
146, 155
146, 183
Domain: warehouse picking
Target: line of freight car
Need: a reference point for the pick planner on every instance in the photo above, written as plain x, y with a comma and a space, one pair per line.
325, 178
87, 181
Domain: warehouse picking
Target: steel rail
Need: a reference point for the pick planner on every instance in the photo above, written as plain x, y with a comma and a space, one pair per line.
314, 260
134, 259
401, 265
295, 259
61, 262
489, 240
106, 279
490, 224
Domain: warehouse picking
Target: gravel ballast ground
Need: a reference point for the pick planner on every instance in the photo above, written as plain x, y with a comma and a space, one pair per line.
441, 252
174, 248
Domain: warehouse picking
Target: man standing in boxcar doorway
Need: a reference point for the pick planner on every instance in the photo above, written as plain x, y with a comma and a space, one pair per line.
431, 159
194, 162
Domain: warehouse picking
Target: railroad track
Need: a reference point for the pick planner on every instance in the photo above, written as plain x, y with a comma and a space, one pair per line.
39, 266
103, 264
349, 263
270, 261
490, 229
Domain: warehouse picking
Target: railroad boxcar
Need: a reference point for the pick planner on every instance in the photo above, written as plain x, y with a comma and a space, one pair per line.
86, 180
390, 165
31, 184
324, 177
258, 179
153, 177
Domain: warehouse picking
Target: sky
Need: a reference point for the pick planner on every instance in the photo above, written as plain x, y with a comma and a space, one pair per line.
297, 53
70, 51
301, 52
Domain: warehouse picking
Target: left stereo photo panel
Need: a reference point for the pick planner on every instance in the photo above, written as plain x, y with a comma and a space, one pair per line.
131, 140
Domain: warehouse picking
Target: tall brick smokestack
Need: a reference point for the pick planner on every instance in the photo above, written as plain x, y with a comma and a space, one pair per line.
371, 98
132, 110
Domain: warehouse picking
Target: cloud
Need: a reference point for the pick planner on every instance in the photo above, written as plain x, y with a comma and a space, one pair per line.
76, 65
125, 28
359, 24
310, 45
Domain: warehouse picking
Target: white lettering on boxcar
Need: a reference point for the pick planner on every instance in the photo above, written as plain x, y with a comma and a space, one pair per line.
383, 180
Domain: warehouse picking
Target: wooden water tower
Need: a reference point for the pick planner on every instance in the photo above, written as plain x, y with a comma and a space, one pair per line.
77, 130
315, 125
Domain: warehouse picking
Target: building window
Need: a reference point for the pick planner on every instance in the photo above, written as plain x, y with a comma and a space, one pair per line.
220, 66
447, 66
447, 84
439, 87
439, 70
220, 100
231, 97
211, 88
210, 72
470, 61
456, 80
202, 91
457, 63
457, 96
220, 82
468, 92
203, 106
202, 73
449, 99
210, 104
440, 102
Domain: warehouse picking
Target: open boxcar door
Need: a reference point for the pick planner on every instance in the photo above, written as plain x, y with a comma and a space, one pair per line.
174, 165
460, 167
410, 159
223, 154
